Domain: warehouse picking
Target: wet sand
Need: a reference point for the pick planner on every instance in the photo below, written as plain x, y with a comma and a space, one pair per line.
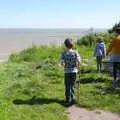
15, 40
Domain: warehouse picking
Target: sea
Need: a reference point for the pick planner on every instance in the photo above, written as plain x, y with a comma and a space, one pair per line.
14, 40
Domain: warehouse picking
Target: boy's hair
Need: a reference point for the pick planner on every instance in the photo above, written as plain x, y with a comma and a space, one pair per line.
117, 30
68, 43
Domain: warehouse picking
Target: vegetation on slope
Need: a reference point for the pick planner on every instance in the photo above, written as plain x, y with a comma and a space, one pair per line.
32, 84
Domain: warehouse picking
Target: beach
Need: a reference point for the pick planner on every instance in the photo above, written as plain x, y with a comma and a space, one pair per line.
13, 40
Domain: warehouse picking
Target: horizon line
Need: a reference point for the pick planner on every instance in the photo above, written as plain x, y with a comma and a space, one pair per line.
53, 28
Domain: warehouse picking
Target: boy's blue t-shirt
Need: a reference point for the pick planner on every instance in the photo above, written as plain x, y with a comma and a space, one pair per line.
70, 59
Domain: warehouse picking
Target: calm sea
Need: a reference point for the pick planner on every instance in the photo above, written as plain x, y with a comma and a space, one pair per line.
14, 40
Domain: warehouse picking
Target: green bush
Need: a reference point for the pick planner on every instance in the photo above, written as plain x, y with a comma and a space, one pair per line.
90, 40
36, 53
114, 27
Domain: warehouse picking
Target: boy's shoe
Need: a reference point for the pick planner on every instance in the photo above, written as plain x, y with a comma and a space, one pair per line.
67, 103
73, 102
67, 100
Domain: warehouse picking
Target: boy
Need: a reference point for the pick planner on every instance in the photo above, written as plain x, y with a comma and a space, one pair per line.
70, 59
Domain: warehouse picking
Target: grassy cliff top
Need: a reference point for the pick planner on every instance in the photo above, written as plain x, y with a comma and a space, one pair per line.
32, 85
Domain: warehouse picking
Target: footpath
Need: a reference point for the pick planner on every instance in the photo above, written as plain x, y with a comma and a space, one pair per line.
77, 113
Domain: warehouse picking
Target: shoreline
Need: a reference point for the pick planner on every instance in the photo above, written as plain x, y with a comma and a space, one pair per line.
3, 60
4, 57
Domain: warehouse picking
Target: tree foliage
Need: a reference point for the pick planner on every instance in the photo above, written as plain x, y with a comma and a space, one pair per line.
90, 39
114, 27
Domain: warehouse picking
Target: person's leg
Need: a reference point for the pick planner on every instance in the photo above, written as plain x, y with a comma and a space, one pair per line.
67, 86
100, 62
115, 70
72, 86
118, 68
97, 60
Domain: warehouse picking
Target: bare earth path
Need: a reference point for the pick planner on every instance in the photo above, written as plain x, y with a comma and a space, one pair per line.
76, 113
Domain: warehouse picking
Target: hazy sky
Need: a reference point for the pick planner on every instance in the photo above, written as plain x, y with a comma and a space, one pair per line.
59, 13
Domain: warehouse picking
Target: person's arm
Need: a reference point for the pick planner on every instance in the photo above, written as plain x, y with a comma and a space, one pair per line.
62, 59
78, 59
62, 63
95, 50
110, 47
104, 50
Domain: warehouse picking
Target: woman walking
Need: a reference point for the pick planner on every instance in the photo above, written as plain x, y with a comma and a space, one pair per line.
114, 49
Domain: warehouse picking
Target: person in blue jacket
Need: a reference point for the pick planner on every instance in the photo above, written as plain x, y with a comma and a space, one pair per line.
99, 52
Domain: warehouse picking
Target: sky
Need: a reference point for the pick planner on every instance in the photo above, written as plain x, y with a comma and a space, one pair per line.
59, 13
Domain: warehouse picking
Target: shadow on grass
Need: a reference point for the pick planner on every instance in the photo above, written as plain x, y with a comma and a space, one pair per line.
86, 71
112, 88
92, 80
35, 100
109, 88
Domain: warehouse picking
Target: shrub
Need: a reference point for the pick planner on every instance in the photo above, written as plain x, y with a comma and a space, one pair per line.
36, 53
88, 40
114, 27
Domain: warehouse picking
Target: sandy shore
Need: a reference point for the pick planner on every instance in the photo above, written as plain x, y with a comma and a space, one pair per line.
4, 57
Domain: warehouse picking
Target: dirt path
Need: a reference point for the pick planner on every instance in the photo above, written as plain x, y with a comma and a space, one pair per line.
75, 113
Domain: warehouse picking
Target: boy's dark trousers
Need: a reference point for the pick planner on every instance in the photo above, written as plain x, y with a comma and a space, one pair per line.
70, 79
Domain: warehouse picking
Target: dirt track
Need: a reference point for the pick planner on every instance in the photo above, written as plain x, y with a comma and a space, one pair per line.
75, 113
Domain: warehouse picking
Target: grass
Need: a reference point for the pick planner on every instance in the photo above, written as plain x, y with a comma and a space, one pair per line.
32, 89
32, 85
